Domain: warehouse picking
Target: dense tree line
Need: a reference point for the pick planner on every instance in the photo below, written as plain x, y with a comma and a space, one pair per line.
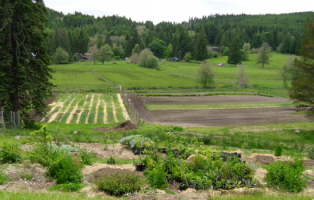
76, 32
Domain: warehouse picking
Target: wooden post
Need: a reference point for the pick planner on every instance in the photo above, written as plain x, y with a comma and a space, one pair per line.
2, 118
18, 119
11, 119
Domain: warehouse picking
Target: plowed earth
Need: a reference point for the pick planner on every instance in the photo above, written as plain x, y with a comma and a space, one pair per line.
216, 117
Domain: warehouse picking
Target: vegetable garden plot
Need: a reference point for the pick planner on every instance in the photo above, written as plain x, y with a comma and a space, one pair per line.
91, 108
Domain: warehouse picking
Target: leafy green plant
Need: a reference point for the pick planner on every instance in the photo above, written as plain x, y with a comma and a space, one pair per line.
157, 177
310, 152
278, 150
111, 161
67, 187
86, 157
3, 178
68, 170
120, 183
27, 176
287, 175
10, 153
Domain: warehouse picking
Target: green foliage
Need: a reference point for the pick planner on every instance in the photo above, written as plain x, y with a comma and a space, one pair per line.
3, 178
24, 72
187, 57
152, 62
157, 177
72, 187
68, 170
200, 49
289, 71
111, 161
246, 51
61, 56
169, 51
287, 175
305, 77
27, 176
264, 55
235, 54
310, 153
278, 150
105, 53
158, 47
205, 75
86, 157
136, 50
137, 142
10, 153
120, 183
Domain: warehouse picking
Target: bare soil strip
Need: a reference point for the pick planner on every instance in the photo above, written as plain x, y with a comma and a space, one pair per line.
105, 112
114, 110
54, 116
97, 108
90, 107
124, 112
72, 113
80, 114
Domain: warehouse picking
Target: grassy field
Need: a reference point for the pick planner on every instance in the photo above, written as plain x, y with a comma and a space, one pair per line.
214, 106
171, 76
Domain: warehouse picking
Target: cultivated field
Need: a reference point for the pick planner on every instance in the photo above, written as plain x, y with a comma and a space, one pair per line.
220, 110
91, 108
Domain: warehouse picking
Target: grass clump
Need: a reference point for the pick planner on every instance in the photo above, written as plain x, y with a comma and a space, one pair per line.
287, 175
119, 183
278, 150
67, 187
310, 152
10, 153
3, 178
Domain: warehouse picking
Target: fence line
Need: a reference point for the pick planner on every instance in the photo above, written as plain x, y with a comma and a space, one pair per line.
13, 118
134, 114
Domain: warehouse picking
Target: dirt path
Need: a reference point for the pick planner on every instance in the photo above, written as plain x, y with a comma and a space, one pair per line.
105, 112
72, 113
89, 108
114, 111
124, 112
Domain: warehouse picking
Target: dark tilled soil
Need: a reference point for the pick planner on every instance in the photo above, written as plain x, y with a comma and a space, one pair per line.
215, 117
264, 160
212, 99
309, 163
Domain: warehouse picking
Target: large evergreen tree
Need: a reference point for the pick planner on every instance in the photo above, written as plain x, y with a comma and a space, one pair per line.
24, 72
200, 50
235, 54
303, 86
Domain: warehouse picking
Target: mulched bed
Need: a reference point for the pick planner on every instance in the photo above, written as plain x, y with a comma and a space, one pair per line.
264, 160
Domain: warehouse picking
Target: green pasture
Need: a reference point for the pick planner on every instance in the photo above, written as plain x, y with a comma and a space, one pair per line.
171, 76
214, 106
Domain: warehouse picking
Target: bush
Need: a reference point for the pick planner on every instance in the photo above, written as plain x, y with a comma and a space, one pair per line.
135, 58
68, 170
3, 178
10, 153
187, 57
137, 142
310, 153
86, 157
152, 62
66, 187
120, 183
60, 56
157, 177
278, 150
287, 176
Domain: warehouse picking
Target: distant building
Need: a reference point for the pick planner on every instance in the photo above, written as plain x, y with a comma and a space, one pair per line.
215, 49
127, 59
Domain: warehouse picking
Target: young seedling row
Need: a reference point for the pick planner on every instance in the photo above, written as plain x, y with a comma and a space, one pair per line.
89, 108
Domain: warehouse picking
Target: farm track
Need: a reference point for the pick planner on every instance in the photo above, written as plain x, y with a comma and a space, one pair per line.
214, 117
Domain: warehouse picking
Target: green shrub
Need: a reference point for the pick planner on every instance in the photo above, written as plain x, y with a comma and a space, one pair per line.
66, 187
278, 150
151, 62
3, 178
68, 170
86, 157
310, 153
120, 183
287, 176
177, 128
10, 153
157, 177
111, 161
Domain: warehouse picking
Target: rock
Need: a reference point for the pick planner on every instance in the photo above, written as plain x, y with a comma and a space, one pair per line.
309, 172
191, 158
17, 137
161, 191
297, 131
